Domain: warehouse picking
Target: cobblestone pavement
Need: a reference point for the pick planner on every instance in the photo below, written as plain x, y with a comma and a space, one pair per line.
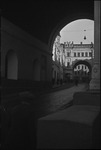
53, 101
23, 121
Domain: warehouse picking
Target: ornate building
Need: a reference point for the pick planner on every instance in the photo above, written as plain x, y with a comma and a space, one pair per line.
58, 61
78, 52
65, 54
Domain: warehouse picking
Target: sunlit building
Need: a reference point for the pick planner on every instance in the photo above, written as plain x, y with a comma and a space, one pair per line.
65, 54
58, 61
77, 52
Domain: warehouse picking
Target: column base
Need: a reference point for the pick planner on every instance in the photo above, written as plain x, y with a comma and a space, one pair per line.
94, 84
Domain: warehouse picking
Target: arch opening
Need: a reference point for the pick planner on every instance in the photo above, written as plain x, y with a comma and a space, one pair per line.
55, 39
11, 71
68, 19
82, 70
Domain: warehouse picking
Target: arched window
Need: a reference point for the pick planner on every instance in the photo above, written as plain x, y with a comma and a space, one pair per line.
11, 67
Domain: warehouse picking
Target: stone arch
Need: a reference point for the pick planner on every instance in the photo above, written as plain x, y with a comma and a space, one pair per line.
84, 78
36, 70
84, 62
11, 67
68, 19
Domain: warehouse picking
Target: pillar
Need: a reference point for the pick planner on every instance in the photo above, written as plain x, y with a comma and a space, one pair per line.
95, 81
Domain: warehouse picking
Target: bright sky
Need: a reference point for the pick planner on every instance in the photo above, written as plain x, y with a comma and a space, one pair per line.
76, 30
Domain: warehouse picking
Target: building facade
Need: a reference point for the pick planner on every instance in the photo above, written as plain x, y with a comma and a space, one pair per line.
58, 60
23, 57
78, 52
66, 54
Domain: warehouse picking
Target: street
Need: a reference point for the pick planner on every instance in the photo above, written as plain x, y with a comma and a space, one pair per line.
53, 101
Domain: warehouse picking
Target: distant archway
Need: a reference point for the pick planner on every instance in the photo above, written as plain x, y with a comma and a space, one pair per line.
36, 70
80, 74
11, 68
84, 63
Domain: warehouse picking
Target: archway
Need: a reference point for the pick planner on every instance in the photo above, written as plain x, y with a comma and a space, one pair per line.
11, 68
36, 70
84, 74
64, 22
70, 18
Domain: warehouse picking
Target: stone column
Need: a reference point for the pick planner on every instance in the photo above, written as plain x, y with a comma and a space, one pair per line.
95, 82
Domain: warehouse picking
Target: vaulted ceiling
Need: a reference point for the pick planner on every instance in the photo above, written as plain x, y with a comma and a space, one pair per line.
40, 17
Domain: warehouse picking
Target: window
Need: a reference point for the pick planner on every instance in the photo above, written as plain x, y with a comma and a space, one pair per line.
82, 54
78, 54
68, 54
68, 63
74, 54
90, 54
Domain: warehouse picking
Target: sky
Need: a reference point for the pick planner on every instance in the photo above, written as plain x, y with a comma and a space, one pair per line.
76, 30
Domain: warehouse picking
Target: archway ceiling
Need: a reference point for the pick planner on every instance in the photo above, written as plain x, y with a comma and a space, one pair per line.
39, 18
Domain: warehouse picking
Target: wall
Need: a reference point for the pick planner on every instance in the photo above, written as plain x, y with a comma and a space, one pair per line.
27, 49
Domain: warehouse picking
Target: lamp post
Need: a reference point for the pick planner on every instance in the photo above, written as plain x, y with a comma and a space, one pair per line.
84, 35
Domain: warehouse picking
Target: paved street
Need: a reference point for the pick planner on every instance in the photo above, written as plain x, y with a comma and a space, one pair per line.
44, 104
24, 117
54, 101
